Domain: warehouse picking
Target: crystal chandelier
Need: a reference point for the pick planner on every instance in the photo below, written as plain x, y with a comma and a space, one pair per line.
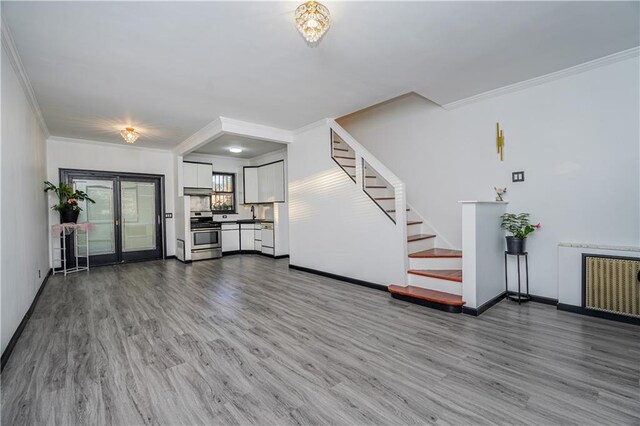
312, 20
129, 135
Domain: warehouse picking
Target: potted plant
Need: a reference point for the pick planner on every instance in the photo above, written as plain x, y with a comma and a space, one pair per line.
67, 205
520, 227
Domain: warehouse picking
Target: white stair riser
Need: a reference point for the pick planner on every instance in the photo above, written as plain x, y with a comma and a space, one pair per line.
420, 245
435, 263
437, 284
414, 229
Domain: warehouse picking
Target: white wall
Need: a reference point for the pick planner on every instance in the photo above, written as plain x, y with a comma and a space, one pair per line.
333, 225
576, 138
89, 155
570, 268
23, 203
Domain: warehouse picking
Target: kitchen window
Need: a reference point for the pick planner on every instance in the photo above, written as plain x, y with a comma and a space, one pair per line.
223, 199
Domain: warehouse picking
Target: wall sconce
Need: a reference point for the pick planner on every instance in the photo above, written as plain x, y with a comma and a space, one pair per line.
500, 141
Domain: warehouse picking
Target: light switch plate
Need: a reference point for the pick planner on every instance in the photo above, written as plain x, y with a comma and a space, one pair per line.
168, 215
517, 177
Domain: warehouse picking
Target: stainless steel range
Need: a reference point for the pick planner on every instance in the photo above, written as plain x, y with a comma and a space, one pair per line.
206, 236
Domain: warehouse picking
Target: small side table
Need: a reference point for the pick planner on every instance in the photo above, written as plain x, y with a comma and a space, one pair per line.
512, 295
59, 254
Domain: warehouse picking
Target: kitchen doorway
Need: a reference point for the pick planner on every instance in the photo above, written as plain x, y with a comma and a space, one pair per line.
127, 217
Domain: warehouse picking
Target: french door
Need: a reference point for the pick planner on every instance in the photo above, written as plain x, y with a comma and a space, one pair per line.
126, 216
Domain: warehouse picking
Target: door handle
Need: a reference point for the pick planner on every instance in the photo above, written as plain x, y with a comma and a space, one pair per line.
117, 222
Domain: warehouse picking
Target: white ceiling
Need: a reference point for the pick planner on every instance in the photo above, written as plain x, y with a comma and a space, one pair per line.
169, 68
250, 147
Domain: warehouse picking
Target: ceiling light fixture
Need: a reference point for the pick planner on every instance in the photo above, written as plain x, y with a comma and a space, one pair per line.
312, 20
235, 150
129, 135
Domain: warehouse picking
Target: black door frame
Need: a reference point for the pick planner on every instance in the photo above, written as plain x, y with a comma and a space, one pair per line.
66, 176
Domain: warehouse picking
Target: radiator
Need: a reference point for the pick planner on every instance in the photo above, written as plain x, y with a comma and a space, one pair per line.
612, 284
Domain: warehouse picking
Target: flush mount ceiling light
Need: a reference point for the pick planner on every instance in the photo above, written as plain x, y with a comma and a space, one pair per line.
129, 135
235, 150
312, 20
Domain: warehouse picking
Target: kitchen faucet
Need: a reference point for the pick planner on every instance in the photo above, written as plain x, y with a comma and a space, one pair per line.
253, 212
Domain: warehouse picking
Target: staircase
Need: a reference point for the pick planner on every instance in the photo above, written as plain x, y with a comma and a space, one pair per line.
434, 274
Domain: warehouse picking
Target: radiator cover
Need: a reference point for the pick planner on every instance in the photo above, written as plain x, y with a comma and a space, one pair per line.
611, 284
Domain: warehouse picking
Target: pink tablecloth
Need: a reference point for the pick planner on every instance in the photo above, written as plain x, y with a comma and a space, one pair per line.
68, 228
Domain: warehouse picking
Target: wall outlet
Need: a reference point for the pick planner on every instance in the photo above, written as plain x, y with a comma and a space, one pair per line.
517, 177
168, 215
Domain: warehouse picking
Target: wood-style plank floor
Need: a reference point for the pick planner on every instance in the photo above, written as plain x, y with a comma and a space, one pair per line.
245, 340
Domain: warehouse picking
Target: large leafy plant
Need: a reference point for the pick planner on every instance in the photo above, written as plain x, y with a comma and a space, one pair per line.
519, 225
67, 197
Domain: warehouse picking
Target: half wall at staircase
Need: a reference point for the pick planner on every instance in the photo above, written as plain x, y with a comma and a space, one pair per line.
334, 225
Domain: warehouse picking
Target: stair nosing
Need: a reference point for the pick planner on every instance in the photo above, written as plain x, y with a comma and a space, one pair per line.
422, 297
435, 256
422, 237
432, 273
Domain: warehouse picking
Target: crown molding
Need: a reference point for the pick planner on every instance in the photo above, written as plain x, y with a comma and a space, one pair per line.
322, 122
567, 72
16, 63
107, 144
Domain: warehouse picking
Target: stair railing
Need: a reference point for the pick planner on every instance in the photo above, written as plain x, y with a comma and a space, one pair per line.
365, 163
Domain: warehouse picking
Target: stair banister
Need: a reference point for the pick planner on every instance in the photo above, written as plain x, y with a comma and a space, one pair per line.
398, 185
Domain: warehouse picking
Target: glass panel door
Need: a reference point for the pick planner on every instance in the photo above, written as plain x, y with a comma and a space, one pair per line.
140, 212
102, 214
126, 217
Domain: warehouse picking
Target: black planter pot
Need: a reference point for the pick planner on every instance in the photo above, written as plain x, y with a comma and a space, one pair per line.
516, 245
69, 216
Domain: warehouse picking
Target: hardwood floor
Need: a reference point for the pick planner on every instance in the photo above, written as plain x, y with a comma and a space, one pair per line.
245, 340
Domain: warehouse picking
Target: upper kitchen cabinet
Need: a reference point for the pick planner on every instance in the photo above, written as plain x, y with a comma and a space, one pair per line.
197, 175
251, 190
264, 184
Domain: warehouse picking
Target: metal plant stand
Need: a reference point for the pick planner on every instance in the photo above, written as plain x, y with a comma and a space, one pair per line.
512, 295
60, 233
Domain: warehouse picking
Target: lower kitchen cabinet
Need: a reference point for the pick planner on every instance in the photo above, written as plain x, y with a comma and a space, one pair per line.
247, 238
230, 238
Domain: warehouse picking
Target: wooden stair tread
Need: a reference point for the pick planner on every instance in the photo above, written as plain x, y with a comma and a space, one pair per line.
426, 294
340, 149
419, 237
375, 186
414, 222
443, 274
348, 165
344, 158
436, 252
368, 177
385, 198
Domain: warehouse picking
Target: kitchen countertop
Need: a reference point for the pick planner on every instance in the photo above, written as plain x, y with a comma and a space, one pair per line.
243, 221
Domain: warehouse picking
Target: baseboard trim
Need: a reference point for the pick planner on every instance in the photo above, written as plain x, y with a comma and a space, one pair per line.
282, 256
340, 277
480, 309
170, 257
598, 314
543, 300
16, 335
532, 298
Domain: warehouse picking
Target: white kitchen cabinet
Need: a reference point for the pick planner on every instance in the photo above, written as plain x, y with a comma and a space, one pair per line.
267, 246
197, 175
264, 184
247, 239
189, 175
257, 238
205, 176
230, 237
251, 194
278, 181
